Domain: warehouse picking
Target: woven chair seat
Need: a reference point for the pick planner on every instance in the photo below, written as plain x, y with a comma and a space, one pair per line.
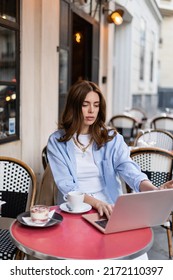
7, 248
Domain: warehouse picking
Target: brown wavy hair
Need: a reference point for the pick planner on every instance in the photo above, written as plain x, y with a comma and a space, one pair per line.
72, 117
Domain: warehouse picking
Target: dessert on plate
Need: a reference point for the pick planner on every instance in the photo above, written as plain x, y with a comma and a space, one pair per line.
39, 213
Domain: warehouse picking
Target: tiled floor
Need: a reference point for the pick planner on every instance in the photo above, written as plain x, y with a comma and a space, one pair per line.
159, 250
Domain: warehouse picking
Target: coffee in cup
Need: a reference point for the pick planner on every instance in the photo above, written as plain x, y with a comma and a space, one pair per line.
75, 200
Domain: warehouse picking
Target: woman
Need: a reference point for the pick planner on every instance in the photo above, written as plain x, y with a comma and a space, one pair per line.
85, 155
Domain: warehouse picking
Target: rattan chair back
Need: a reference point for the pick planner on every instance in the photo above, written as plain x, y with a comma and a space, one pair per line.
125, 125
162, 122
157, 164
18, 189
48, 191
17, 186
138, 114
44, 157
155, 137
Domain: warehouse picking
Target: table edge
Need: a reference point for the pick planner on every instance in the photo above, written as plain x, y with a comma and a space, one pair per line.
42, 256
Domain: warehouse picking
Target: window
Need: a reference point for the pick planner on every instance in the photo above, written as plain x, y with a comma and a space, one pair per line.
9, 70
142, 48
152, 56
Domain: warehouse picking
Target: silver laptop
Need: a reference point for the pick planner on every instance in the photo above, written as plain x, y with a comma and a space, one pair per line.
135, 210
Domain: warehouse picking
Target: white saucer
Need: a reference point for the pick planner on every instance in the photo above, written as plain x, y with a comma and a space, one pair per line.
85, 208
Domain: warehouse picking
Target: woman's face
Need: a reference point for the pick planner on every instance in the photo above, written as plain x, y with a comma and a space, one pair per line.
90, 109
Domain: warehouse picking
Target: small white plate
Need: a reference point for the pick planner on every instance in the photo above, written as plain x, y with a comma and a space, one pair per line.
85, 208
25, 219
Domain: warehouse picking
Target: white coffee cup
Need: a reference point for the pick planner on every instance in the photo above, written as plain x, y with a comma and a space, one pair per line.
75, 200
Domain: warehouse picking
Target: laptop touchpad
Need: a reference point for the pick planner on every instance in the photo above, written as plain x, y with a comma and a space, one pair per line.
102, 223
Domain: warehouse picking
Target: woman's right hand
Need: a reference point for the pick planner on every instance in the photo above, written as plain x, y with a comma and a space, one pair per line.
102, 207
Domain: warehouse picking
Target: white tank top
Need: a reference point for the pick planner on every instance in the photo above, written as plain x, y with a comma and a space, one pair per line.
89, 179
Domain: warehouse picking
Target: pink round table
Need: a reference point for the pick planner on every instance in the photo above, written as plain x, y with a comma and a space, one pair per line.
75, 238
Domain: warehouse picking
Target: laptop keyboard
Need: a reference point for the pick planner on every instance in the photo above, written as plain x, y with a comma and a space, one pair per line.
102, 223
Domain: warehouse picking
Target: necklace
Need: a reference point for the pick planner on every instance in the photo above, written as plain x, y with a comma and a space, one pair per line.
82, 147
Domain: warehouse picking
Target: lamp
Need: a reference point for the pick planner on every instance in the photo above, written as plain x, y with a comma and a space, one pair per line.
116, 17
78, 37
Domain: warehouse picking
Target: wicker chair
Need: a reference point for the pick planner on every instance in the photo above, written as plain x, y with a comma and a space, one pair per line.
125, 125
48, 191
157, 164
138, 114
18, 189
44, 157
162, 122
156, 137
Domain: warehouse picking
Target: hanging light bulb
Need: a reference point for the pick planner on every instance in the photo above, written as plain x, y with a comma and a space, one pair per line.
78, 37
116, 17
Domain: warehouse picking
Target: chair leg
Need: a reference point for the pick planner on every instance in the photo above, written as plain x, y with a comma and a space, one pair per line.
169, 236
19, 255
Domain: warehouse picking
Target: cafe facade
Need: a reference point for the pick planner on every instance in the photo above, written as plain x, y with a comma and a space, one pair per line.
46, 45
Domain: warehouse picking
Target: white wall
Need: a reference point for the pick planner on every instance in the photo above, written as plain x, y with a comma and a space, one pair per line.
126, 55
39, 64
122, 68
165, 53
152, 25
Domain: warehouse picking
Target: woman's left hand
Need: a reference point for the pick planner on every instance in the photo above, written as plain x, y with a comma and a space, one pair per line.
167, 185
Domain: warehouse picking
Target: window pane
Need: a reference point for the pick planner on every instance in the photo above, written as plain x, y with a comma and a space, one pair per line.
7, 54
142, 48
8, 9
152, 56
63, 71
63, 79
9, 70
7, 111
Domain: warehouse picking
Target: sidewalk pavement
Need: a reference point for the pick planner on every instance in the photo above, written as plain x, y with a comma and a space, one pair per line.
159, 250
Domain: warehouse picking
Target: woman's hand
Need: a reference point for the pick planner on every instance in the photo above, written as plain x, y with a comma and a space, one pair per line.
146, 185
167, 185
100, 206
103, 208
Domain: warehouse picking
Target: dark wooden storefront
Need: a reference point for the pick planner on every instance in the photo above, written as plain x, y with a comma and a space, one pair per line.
78, 60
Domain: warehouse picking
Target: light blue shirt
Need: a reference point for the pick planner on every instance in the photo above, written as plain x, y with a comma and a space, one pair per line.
113, 161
